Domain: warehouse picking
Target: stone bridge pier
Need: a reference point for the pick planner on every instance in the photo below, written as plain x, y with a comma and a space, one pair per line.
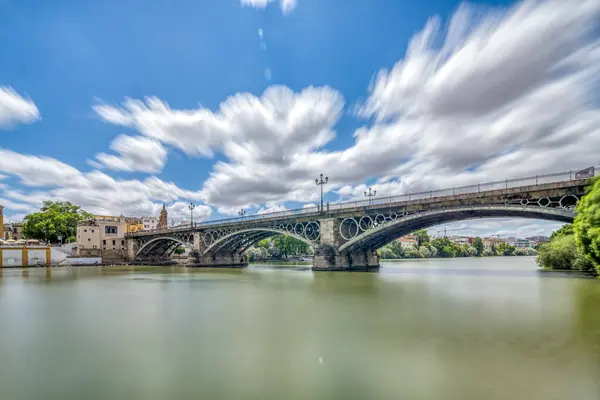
328, 257
230, 257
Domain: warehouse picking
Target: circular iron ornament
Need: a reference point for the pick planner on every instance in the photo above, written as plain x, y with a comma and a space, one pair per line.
393, 216
524, 202
379, 219
349, 228
312, 231
281, 227
365, 223
207, 239
289, 228
299, 229
405, 213
562, 202
544, 202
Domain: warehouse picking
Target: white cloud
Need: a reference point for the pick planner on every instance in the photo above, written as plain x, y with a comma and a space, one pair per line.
287, 6
506, 95
271, 208
95, 191
136, 153
15, 109
518, 227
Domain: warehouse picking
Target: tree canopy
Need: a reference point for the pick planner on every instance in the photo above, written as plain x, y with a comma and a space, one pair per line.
587, 223
53, 220
566, 229
422, 237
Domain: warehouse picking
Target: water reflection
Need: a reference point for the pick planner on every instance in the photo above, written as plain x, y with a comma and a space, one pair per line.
476, 329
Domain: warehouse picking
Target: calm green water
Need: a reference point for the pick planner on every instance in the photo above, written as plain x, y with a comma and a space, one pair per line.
433, 329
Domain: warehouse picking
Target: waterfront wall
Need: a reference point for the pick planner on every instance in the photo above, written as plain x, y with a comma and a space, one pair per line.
25, 256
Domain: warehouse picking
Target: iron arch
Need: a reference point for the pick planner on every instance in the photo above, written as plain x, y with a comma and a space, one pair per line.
241, 240
383, 234
155, 243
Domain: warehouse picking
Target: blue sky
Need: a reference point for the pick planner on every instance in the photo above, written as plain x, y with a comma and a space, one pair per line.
121, 106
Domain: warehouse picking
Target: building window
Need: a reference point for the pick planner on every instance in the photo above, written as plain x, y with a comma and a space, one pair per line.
89, 240
114, 242
92, 231
104, 242
85, 230
94, 246
110, 230
122, 243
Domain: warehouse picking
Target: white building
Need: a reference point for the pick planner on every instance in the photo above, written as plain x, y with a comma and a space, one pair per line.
408, 241
149, 223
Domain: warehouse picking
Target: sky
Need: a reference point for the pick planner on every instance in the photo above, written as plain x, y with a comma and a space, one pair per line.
121, 107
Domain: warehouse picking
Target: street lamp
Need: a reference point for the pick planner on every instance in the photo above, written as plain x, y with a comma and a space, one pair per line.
370, 195
242, 212
321, 183
191, 207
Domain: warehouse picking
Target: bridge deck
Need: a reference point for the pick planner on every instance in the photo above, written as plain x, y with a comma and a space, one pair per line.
381, 205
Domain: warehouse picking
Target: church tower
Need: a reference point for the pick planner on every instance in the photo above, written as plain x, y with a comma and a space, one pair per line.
162, 221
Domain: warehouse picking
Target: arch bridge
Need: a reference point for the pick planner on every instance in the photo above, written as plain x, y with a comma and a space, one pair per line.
345, 236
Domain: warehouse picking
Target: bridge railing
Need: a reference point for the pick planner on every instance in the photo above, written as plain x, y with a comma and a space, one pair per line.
533, 180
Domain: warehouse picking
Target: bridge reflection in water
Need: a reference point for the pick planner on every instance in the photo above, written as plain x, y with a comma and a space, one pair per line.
346, 236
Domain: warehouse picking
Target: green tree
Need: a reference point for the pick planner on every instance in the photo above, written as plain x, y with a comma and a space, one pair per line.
53, 220
563, 253
587, 223
472, 251
447, 251
424, 252
505, 249
478, 244
286, 246
566, 229
179, 250
422, 237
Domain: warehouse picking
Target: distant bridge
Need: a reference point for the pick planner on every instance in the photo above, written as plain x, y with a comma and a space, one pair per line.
345, 236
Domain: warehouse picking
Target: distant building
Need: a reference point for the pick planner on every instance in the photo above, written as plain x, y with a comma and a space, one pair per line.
162, 220
408, 241
149, 223
520, 243
460, 239
102, 236
489, 241
539, 239
133, 225
13, 231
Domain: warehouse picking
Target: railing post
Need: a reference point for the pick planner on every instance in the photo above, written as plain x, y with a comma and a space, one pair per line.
506, 184
430, 194
570, 175
409, 197
536, 180
478, 188
452, 191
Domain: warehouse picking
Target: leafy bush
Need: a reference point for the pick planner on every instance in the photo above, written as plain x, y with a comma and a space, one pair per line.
563, 253
587, 223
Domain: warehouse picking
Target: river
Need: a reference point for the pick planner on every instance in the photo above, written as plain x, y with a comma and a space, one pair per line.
492, 328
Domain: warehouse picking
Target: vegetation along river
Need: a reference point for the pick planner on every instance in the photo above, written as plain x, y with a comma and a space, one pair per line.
468, 328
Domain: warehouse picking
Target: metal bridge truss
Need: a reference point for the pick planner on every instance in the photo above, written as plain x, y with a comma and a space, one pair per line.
351, 227
164, 245
239, 240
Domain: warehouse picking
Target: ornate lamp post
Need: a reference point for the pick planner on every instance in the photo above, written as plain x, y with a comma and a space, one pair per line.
191, 207
369, 195
321, 183
242, 213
